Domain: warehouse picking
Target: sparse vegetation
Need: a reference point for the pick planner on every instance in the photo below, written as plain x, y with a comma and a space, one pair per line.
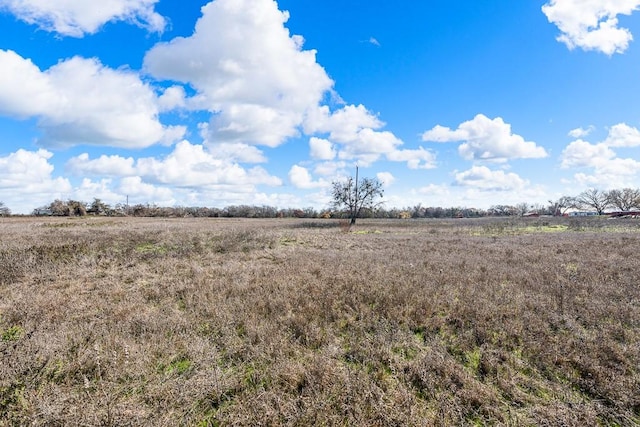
138, 321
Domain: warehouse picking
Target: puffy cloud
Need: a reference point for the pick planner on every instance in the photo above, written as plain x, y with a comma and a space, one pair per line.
611, 173
433, 189
237, 152
173, 97
369, 145
24, 90
321, 149
444, 134
137, 189
190, 165
102, 189
386, 178
581, 132
247, 69
619, 167
79, 17
301, 178
342, 125
273, 199
584, 154
329, 169
486, 139
104, 165
26, 180
79, 101
187, 170
355, 129
591, 24
231, 151
416, 159
258, 124
25, 167
483, 178
623, 135
606, 167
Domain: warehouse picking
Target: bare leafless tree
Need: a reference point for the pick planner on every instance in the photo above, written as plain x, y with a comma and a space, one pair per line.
626, 199
4, 210
560, 206
354, 195
593, 198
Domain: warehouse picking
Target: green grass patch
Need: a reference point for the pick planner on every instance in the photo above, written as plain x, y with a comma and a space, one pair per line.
367, 232
14, 333
472, 360
178, 366
554, 228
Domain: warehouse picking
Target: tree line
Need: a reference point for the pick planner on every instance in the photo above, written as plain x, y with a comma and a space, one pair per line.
593, 200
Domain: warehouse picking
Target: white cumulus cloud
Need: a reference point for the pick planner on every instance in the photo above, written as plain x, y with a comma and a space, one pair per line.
591, 24
355, 131
483, 178
321, 149
104, 165
301, 178
623, 135
386, 178
80, 101
486, 139
102, 189
190, 165
27, 181
76, 18
188, 172
138, 189
237, 152
416, 159
604, 167
247, 70
581, 153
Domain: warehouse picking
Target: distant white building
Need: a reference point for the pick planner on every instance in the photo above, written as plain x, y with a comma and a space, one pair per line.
582, 213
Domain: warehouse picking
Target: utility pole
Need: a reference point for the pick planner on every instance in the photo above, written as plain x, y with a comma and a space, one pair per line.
355, 211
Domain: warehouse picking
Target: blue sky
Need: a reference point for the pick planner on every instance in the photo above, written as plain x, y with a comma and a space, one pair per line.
447, 102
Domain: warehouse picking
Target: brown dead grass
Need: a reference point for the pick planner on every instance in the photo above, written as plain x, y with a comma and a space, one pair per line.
294, 322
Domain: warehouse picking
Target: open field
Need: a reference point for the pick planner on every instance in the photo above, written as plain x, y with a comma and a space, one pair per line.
135, 321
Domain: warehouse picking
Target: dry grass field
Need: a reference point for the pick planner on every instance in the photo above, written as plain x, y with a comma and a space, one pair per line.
198, 322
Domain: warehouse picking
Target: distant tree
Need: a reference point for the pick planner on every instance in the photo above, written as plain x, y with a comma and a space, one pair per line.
473, 213
593, 198
626, 199
435, 212
4, 210
522, 208
310, 212
417, 211
98, 207
77, 208
140, 210
560, 206
356, 196
502, 210
59, 208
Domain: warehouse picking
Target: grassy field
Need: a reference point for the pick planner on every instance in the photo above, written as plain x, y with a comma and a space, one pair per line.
134, 321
